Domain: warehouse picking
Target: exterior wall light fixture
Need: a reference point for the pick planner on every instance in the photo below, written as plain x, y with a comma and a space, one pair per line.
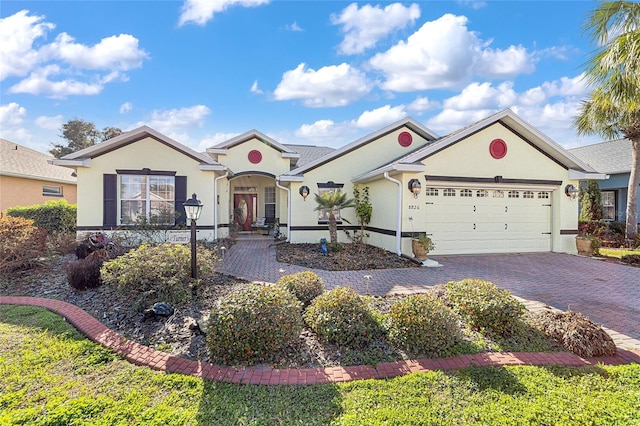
571, 191
304, 191
415, 187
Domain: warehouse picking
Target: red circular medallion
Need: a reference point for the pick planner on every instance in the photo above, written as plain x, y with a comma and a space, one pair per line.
498, 148
255, 156
405, 139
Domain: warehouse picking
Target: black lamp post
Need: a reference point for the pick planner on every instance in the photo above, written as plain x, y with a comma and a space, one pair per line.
193, 208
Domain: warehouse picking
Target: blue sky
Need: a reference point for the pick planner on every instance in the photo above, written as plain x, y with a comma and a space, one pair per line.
306, 72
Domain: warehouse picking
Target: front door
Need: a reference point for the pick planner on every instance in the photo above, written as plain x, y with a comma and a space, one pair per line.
243, 211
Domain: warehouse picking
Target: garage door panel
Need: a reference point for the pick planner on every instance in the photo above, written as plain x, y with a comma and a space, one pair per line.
507, 224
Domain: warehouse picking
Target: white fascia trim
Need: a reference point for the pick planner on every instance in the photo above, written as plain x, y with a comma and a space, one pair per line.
580, 175
392, 169
41, 178
291, 178
85, 162
217, 151
290, 155
213, 168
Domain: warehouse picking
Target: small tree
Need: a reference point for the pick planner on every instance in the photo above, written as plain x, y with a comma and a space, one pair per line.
591, 202
332, 202
363, 209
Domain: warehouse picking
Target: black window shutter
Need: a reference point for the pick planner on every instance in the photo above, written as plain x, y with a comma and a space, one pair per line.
110, 195
181, 197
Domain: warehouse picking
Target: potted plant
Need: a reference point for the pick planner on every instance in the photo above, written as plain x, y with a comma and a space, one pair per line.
421, 246
587, 242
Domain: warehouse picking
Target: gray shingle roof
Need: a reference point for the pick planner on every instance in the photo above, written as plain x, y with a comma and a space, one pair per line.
309, 153
20, 161
606, 157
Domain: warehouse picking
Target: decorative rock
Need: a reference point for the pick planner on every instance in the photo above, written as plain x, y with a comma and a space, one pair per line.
160, 309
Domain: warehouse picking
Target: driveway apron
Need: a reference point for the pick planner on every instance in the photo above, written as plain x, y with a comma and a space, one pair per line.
608, 293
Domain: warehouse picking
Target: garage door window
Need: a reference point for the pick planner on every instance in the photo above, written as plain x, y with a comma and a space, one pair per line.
543, 194
527, 194
466, 193
481, 193
431, 192
514, 194
498, 194
449, 192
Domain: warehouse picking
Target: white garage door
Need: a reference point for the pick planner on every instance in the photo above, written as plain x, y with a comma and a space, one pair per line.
462, 221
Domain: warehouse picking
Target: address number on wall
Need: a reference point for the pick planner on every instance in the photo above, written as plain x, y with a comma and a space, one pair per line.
414, 207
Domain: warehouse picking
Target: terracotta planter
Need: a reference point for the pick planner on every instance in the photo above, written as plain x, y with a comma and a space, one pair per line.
583, 244
419, 251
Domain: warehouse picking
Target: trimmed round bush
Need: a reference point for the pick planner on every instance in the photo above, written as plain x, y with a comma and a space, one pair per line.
342, 317
157, 273
423, 325
306, 285
254, 324
483, 305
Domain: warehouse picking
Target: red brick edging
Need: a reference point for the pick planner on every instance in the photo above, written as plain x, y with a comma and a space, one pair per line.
145, 356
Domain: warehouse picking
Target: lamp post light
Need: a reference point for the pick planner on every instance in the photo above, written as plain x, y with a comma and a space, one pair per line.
193, 208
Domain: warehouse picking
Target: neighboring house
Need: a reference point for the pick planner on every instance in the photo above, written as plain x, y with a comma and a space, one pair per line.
614, 159
27, 177
496, 186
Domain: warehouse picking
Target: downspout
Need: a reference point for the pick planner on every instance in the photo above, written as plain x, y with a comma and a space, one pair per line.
288, 209
399, 224
215, 205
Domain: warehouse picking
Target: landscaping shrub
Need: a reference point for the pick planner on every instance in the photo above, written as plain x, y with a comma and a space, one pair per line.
85, 273
575, 332
21, 243
306, 285
54, 216
423, 325
61, 242
631, 259
254, 324
342, 317
483, 305
157, 273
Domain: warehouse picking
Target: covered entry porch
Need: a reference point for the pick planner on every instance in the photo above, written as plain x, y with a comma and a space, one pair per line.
257, 204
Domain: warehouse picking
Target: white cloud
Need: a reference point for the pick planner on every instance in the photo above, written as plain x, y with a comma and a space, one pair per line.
294, 27
201, 11
175, 122
445, 54
255, 89
330, 86
365, 26
380, 117
211, 140
59, 68
50, 123
120, 52
126, 107
473, 4
326, 133
12, 117
17, 35
422, 104
483, 96
39, 82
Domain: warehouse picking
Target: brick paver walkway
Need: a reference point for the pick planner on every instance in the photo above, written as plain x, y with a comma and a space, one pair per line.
593, 287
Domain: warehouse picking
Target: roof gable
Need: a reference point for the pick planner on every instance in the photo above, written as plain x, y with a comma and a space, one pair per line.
222, 148
20, 161
79, 158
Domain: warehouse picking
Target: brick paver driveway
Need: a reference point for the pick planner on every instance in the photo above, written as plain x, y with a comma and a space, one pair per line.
609, 293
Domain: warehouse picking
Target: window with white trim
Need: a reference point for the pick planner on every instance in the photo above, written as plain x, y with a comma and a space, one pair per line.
449, 192
609, 205
482, 193
270, 201
466, 193
543, 194
51, 191
527, 194
431, 192
514, 194
147, 197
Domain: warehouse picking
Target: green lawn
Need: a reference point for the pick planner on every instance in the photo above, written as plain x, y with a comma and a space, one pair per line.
51, 375
616, 252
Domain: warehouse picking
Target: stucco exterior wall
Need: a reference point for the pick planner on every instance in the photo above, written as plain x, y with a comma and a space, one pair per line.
237, 158
341, 170
16, 191
146, 153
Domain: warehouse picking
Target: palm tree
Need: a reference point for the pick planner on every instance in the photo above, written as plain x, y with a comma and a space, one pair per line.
613, 108
333, 202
